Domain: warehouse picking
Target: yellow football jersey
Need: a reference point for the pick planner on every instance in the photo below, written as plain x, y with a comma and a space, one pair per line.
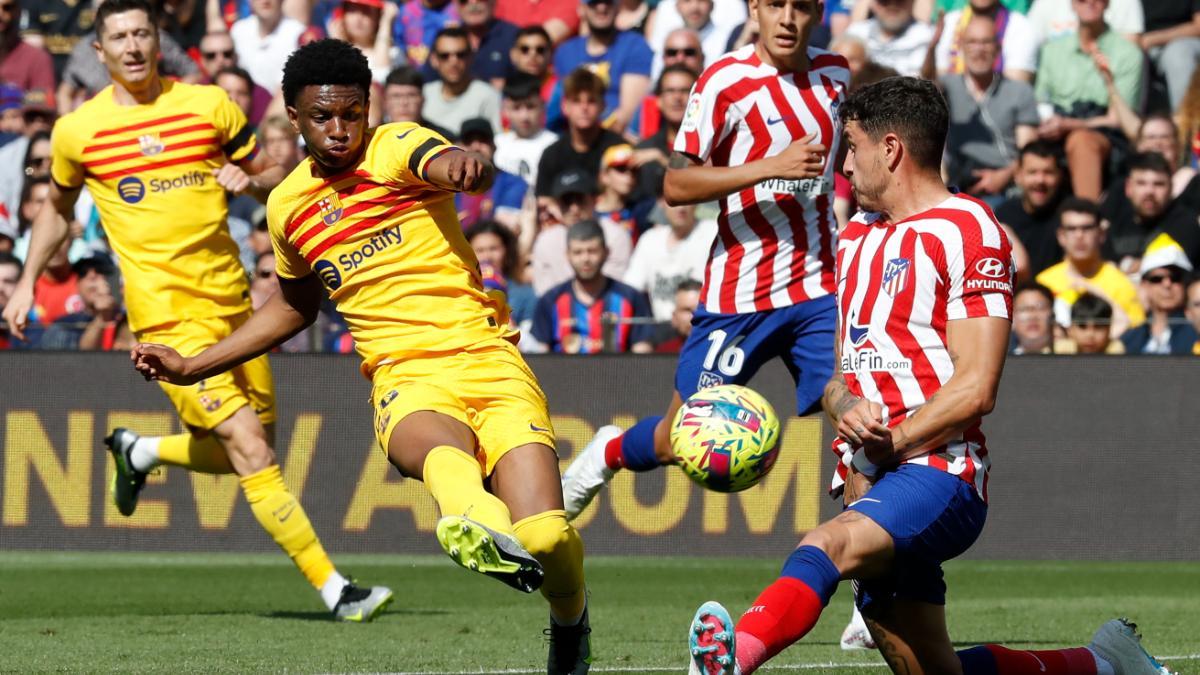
389, 248
149, 168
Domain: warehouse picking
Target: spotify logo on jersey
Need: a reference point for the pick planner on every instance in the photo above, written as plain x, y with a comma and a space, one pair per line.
131, 189
329, 274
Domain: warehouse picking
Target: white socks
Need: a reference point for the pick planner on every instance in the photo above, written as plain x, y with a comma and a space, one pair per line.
331, 591
144, 455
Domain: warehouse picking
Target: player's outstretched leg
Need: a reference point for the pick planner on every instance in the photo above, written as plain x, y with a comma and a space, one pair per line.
609, 451
134, 456
1116, 649
712, 642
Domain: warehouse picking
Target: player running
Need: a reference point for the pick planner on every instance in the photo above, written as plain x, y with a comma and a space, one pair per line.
370, 215
924, 311
158, 157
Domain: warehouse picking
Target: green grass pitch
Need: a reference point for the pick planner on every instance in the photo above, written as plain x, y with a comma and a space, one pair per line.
189, 613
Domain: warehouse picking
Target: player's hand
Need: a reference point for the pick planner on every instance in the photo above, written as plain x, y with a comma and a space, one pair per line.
862, 423
802, 159
989, 181
161, 363
467, 171
232, 178
16, 310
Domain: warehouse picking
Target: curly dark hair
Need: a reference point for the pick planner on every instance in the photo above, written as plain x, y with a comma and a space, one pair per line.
909, 107
324, 62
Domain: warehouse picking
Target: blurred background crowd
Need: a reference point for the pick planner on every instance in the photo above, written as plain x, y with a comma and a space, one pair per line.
1078, 121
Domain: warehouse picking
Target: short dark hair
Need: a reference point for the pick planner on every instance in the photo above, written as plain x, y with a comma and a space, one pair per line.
506, 235
457, 32
405, 76
674, 68
870, 73
520, 86
688, 285
322, 62
110, 7
534, 29
1149, 161
1090, 308
1036, 288
582, 80
7, 258
586, 230
1040, 147
237, 72
909, 107
1078, 205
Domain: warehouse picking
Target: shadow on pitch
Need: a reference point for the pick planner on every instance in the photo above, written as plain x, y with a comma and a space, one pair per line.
327, 618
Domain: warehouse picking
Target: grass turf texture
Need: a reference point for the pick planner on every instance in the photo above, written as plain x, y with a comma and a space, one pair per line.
208, 613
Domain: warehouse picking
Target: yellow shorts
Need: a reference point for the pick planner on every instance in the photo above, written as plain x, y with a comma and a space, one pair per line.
488, 387
206, 404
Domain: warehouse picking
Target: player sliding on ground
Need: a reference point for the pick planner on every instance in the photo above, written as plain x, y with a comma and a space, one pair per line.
370, 216
158, 157
759, 127
924, 310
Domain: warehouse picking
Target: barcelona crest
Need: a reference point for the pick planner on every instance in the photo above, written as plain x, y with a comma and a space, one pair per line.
330, 208
150, 144
895, 276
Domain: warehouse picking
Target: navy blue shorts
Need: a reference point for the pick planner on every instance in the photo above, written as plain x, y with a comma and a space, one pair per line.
932, 516
730, 348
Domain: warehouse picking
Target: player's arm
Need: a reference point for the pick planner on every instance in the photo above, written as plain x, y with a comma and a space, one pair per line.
285, 313
977, 348
51, 228
255, 176
690, 181
461, 171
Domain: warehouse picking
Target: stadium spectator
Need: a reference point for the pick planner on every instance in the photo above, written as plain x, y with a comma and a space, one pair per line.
559, 19
264, 40
991, 115
622, 60
1187, 117
1070, 81
586, 140
1052, 19
56, 292
666, 255
1091, 328
10, 273
263, 283
1191, 310
1159, 133
573, 199
491, 39
1142, 209
367, 24
530, 54
476, 135
22, 65
1165, 269
496, 245
670, 103
519, 150
217, 52
280, 141
34, 194
617, 201
1172, 41
84, 75
894, 38
8, 230
1015, 42
404, 99
687, 299
854, 49
415, 30
1084, 269
1032, 215
99, 323
58, 26
457, 96
697, 17
591, 312
238, 84
12, 122
683, 47
668, 17
1033, 320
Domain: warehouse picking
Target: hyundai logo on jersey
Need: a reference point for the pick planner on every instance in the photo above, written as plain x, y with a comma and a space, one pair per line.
131, 189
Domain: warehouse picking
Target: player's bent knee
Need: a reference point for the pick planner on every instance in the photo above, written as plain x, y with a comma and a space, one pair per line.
547, 534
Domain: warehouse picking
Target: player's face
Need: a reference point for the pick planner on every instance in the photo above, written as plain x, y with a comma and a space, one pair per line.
1149, 192
525, 115
1039, 179
489, 249
865, 167
784, 25
332, 118
402, 103
127, 45
673, 96
1080, 236
586, 257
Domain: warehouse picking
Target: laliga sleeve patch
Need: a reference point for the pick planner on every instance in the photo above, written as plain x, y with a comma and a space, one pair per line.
691, 116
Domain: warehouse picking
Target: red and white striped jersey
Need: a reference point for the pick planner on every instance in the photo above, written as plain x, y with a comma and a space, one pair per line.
776, 240
898, 286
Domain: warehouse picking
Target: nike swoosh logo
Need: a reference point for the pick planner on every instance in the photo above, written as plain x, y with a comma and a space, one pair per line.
777, 120
534, 427
865, 499
400, 137
284, 517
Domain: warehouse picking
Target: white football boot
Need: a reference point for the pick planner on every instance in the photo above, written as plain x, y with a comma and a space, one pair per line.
856, 635
1119, 643
588, 472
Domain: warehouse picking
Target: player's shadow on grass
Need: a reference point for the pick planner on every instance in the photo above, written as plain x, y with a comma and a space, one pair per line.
325, 616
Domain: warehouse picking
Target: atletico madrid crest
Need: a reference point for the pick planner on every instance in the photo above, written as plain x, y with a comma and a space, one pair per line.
331, 209
895, 276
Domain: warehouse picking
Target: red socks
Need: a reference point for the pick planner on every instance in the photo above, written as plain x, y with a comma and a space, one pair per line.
782, 614
997, 660
612, 454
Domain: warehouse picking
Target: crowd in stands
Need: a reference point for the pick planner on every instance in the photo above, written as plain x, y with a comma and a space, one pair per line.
1077, 121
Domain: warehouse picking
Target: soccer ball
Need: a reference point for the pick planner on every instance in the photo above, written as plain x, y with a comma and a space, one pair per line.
726, 437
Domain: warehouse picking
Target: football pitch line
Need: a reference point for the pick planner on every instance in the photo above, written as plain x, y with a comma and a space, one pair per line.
675, 669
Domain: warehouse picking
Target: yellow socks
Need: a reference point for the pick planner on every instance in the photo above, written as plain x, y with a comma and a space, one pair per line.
557, 546
456, 483
204, 454
282, 516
